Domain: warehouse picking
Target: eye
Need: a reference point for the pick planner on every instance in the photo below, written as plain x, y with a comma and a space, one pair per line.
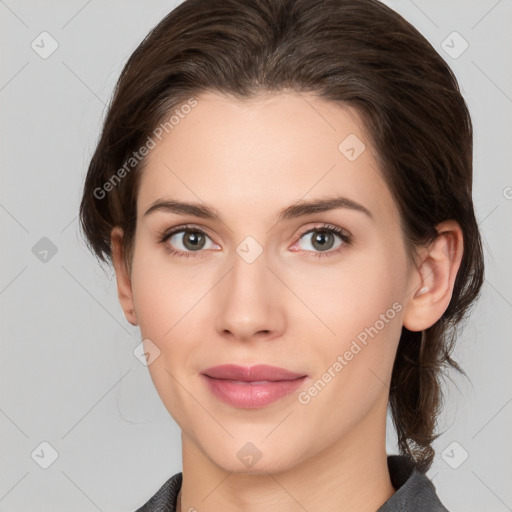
322, 240
185, 241
188, 240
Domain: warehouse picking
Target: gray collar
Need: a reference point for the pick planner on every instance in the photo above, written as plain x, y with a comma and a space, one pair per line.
414, 491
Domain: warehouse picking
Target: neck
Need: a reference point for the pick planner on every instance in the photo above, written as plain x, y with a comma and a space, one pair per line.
349, 475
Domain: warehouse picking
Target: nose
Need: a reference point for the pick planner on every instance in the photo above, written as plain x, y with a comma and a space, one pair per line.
250, 301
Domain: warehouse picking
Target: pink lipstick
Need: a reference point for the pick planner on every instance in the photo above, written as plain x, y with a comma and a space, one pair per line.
251, 387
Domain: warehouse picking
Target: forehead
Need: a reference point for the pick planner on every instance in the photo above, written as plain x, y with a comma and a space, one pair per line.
268, 150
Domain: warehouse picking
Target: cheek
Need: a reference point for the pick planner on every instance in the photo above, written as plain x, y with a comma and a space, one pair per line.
167, 301
170, 301
353, 364
353, 296
163, 292
362, 305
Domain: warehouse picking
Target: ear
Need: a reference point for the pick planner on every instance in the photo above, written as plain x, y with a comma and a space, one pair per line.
124, 286
433, 279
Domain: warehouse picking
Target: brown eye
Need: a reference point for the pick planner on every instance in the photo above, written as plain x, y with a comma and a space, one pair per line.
193, 240
324, 240
186, 241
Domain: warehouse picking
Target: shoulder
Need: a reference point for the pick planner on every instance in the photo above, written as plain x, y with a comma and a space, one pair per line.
414, 491
164, 500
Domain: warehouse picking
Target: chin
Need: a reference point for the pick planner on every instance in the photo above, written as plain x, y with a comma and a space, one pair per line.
250, 460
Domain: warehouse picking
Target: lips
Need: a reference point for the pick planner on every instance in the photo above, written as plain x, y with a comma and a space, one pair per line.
257, 373
252, 387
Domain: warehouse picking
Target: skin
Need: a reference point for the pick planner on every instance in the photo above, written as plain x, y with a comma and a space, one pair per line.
288, 308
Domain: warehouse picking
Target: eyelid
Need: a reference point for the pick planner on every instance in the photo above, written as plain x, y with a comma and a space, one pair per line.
318, 226
168, 232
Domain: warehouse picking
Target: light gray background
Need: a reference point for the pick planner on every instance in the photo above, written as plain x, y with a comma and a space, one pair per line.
68, 375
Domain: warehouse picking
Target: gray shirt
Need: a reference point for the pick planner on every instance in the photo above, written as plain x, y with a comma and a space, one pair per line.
414, 491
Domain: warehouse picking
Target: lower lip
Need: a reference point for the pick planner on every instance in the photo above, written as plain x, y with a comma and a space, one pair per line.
248, 395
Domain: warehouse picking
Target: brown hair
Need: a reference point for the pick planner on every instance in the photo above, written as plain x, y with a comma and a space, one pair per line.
355, 52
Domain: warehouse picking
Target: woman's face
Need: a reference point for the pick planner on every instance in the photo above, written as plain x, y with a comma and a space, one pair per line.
268, 282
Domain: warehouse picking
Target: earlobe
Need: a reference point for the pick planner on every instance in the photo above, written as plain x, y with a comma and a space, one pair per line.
434, 278
124, 287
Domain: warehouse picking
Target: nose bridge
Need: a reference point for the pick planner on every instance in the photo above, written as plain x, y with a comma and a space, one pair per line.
249, 301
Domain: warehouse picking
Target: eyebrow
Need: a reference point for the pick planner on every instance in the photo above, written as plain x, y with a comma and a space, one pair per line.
299, 209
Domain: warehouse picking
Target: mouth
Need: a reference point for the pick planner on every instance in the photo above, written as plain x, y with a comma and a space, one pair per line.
251, 387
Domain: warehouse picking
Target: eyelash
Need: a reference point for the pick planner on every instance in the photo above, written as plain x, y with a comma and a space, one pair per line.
164, 236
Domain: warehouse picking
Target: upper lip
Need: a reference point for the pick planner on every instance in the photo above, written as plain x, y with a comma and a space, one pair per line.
250, 373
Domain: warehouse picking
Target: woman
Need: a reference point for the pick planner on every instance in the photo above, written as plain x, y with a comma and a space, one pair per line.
284, 190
